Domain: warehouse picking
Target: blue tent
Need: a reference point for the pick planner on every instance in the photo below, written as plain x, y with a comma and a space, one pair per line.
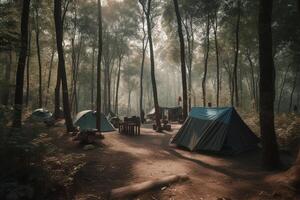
217, 130
86, 120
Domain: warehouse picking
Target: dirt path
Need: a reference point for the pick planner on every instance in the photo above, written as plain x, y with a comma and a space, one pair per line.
122, 160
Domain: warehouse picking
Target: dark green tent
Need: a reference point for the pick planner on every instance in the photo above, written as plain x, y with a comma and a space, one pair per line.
217, 130
86, 120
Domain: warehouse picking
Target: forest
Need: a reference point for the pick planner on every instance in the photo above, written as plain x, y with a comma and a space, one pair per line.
150, 99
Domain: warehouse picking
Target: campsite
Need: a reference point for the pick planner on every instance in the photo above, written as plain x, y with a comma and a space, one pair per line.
150, 100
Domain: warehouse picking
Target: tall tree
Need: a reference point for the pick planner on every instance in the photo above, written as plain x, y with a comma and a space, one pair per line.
98, 100
57, 110
215, 27
267, 86
49, 75
253, 84
6, 89
207, 47
189, 30
118, 83
147, 11
144, 48
28, 70
106, 65
92, 78
21, 66
37, 40
182, 59
294, 85
236, 52
61, 64
282, 88
57, 95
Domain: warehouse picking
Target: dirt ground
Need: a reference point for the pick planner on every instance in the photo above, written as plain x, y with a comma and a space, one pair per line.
122, 160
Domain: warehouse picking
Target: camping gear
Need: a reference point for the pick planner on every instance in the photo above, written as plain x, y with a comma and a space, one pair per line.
215, 129
86, 137
42, 115
165, 125
86, 120
130, 126
172, 113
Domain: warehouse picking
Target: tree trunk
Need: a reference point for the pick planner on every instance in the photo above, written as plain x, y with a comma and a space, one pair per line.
56, 113
298, 92
106, 63
298, 99
92, 79
27, 70
140, 188
57, 95
152, 64
98, 114
109, 87
206, 61
237, 41
118, 84
281, 88
240, 88
217, 57
190, 49
182, 58
37, 40
267, 86
253, 85
21, 66
49, 76
6, 89
293, 90
220, 85
105, 88
115, 74
145, 43
61, 64
75, 64
129, 102
230, 82
74, 59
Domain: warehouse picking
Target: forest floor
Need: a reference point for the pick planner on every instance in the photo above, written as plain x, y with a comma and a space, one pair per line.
120, 160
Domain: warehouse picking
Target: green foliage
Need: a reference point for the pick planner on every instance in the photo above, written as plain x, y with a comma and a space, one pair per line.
22, 175
9, 22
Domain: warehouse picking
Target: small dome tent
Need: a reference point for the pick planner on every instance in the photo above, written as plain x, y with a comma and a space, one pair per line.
86, 120
41, 114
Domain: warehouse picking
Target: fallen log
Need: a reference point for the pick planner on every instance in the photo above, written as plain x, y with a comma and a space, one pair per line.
139, 188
